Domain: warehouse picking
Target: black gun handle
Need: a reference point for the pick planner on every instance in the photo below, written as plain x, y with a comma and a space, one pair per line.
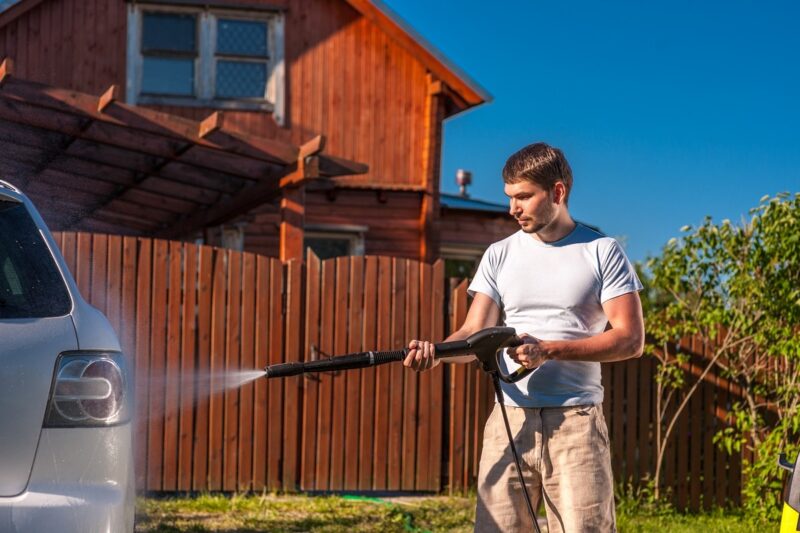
451, 349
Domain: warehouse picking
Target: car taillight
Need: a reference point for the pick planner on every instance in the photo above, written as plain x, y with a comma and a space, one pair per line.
89, 389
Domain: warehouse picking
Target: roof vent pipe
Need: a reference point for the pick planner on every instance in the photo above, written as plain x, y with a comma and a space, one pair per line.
463, 179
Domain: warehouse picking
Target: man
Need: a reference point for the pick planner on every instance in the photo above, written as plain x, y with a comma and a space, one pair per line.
572, 296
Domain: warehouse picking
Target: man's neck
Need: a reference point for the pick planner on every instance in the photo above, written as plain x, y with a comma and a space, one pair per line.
559, 228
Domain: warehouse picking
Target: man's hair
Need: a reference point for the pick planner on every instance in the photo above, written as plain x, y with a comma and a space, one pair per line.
541, 164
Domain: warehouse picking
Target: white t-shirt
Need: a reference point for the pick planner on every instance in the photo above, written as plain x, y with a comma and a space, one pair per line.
555, 291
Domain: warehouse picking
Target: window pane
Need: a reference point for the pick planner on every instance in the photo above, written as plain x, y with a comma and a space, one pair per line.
168, 76
239, 79
327, 248
168, 32
242, 38
30, 284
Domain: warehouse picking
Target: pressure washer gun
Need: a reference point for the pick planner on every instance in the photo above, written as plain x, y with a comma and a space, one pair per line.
486, 344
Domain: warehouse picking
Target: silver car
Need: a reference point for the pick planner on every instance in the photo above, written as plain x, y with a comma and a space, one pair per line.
66, 394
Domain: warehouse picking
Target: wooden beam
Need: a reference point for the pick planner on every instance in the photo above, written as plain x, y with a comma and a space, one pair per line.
292, 233
429, 212
312, 147
109, 97
214, 122
6, 69
331, 166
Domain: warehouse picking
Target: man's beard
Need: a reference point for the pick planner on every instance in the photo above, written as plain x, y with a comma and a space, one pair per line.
541, 220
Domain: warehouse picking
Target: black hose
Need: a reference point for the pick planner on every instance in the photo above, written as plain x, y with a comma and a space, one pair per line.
499, 393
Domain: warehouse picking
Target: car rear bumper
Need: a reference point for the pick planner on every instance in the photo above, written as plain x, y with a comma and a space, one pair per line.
82, 481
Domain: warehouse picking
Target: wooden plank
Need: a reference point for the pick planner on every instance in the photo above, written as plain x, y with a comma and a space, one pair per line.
68, 250
311, 383
275, 391
261, 406
617, 420
232, 364
188, 370
99, 271
200, 444
294, 332
326, 348
142, 278
397, 374
722, 458
632, 399
113, 303
369, 340
217, 368
155, 445
127, 322
682, 455
437, 382
695, 436
172, 367
457, 397
339, 409
248, 314
353, 404
383, 376
425, 407
410, 400
645, 435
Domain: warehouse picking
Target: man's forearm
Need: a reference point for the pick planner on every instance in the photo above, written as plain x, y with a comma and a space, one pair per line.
609, 346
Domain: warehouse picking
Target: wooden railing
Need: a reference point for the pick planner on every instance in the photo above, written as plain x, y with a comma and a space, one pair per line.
188, 314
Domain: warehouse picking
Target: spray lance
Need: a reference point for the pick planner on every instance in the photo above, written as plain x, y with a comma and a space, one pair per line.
486, 345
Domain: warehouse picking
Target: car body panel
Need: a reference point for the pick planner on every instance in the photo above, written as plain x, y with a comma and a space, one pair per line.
27, 357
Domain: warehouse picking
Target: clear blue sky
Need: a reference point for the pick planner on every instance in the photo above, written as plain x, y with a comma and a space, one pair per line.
667, 111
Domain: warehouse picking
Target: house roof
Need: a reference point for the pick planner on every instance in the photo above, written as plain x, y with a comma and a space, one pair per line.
95, 163
455, 201
466, 88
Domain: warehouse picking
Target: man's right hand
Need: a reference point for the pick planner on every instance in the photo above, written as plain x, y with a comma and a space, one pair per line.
421, 356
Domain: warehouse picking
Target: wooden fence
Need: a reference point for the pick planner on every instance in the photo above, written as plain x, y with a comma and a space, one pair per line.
188, 314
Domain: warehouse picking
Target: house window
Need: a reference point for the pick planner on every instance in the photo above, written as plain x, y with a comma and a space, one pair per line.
200, 57
460, 261
328, 241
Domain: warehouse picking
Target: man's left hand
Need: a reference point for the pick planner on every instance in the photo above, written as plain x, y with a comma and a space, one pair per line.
530, 354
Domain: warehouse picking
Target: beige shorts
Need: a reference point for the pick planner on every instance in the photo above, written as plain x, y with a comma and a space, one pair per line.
565, 459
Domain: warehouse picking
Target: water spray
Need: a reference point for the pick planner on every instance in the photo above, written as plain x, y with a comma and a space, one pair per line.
486, 345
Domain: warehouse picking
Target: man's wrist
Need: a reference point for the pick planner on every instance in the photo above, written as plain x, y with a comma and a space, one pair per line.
550, 350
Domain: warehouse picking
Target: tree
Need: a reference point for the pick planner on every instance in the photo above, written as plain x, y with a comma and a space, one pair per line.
737, 287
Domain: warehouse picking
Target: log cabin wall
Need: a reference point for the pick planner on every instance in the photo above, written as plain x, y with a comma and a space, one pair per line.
465, 228
345, 77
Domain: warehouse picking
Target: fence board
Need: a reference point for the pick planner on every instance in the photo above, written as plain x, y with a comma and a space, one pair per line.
423, 424
438, 450
232, 364
141, 361
326, 348
155, 444
397, 376
410, 403
217, 365
339, 413
311, 383
275, 391
172, 384
383, 376
368, 375
260, 392
188, 369
294, 332
200, 444
353, 387
248, 313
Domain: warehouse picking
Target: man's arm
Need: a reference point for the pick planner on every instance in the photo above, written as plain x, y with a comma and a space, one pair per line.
483, 313
624, 340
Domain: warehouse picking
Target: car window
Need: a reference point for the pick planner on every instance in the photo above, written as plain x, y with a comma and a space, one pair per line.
30, 283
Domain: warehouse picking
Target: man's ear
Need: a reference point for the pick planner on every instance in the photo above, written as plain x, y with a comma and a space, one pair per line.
559, 192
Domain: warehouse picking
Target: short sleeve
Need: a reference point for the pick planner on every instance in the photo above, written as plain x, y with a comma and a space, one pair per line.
618, 275
485, 280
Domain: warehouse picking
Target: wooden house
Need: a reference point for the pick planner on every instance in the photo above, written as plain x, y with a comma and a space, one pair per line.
265, 126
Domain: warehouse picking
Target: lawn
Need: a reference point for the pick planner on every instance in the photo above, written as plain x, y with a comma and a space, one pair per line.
251, 514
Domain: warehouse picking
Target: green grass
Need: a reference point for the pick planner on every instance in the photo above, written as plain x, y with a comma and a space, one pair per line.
251, 514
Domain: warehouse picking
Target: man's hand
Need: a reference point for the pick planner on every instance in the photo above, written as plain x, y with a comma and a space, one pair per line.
531, 354
421, 356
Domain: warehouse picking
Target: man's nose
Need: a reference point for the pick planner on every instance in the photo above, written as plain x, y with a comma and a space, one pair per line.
513, 208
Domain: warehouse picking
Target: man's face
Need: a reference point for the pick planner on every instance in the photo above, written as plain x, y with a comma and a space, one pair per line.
531, 205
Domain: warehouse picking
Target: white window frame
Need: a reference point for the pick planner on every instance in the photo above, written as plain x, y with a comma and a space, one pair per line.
206, 61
